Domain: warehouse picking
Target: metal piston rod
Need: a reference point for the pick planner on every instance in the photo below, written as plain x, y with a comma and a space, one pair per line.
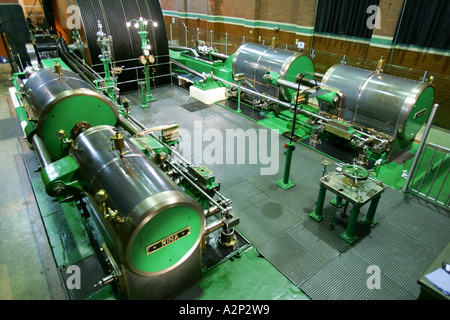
225, 210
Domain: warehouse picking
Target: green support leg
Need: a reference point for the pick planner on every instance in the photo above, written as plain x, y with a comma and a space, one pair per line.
338, 202
368, 220
285, 183
148, 94
349, 234
317, 215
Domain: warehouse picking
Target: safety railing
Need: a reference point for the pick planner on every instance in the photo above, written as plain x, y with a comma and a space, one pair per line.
430, 179
430, 170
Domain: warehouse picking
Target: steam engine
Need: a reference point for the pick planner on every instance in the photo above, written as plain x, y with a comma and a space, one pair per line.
375, 115
150, 206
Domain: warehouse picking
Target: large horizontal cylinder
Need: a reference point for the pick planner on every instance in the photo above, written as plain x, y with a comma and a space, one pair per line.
254, 60
161, 225
60, 102
396, 106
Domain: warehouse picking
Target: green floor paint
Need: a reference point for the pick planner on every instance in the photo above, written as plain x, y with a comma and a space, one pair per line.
250, 277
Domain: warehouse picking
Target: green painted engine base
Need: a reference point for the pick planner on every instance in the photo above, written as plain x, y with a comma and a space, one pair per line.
247, 276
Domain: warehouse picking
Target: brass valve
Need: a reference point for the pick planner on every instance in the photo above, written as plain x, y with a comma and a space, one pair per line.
112, 215
61, 134
380, 65
119, 143
301, 97
58, 69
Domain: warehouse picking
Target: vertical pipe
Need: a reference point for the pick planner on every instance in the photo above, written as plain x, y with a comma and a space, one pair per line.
226, 43
197, 37
421, 145
289, 149
388, 66
239, 98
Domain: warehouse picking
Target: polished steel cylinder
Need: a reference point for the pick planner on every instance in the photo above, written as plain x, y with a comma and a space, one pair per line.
395, 106
157, 225
60, 101
254, 60
44, 89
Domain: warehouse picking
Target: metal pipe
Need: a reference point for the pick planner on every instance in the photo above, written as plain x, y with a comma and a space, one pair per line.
290, 84
219, 55
136, 131
436, 174
226, 43
261, 95
388, 66
213, 226
421, 145
41, 151
188, 69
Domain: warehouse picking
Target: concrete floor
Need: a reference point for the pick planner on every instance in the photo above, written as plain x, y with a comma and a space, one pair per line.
22, 274
270, 216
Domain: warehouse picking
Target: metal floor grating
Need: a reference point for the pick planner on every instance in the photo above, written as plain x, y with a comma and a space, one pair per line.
193, 293
290, 258
91, 273
313, 243
346, 277
410, 217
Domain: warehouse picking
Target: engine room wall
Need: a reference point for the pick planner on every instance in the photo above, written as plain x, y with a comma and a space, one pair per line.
255, 20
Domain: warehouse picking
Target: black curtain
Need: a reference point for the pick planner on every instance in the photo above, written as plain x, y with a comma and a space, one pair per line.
114, 14
344, 17
425, 24
16, 30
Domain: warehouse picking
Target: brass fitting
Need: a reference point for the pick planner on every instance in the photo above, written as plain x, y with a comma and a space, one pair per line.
119, 143
380, 65
61, 134
111, 215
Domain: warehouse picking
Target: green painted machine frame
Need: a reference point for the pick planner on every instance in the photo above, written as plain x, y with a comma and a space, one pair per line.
60, 180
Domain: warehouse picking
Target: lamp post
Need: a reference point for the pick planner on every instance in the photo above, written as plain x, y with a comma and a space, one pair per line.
141, 25
109, 83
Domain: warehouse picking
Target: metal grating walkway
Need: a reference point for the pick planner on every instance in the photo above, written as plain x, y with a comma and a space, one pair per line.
325, 267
